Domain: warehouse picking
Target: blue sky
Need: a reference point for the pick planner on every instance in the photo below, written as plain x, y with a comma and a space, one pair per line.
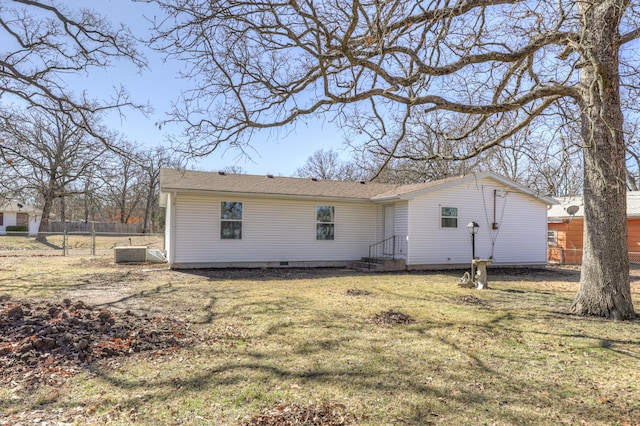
278, 152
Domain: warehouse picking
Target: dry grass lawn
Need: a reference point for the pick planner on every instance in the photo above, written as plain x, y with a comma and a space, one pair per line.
76, 244
505, 356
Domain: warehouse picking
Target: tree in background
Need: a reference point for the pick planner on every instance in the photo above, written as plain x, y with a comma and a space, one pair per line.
123, 186
43, 44
326, 165
151, 162
489, 68
46, 154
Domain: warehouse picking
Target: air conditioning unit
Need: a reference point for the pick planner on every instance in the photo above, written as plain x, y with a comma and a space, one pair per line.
130, 254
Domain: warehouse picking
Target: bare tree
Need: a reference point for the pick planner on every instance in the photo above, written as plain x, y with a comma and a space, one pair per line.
326, 165
44, 43
123, 185
494, 67
412, 161
46, 154
542, 158
151, 162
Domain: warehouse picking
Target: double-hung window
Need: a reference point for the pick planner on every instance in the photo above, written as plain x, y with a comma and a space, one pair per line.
325, 222
449, 217
231, 220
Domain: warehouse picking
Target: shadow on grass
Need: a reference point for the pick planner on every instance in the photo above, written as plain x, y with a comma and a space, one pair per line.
45, 242
371, 365
270, 274
438, 392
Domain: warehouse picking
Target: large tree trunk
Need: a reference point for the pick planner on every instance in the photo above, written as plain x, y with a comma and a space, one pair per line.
604, 282
44, 219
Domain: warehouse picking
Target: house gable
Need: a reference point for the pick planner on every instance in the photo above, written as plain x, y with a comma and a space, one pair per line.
408, 192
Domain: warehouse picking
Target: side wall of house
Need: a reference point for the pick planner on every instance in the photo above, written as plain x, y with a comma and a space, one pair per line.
570, 234
169, 236
520, 237
11, 219
568, 250
633, 231
8, 219
34, 224
274, 233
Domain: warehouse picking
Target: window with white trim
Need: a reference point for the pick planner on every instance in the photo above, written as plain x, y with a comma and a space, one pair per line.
325, 224
231, 220
552, 237
449, 217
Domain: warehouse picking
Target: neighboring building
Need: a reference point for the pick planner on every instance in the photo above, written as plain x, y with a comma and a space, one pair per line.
566, 221
232, 220
14, 213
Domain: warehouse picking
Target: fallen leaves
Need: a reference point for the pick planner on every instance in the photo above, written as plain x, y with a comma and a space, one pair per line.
44, 342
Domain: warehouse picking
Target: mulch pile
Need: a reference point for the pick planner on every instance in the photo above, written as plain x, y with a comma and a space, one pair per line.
471, 300
392, 318
357, 292
322, 414
44, 343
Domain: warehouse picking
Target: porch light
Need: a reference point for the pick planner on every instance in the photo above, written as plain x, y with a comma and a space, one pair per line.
473, 227
473, 230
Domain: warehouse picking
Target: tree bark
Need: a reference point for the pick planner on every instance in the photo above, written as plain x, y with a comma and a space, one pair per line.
604, 282
44, 219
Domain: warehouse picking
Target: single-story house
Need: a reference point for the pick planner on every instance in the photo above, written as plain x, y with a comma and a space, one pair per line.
14, 213
566, 224
235, 220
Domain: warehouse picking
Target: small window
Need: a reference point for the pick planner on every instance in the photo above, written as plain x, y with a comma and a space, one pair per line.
231, 220
552, 237
449, 218
324, 222
1, 219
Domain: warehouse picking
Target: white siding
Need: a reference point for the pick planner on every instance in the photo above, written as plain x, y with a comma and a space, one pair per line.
402, 218
168, 227
11, 219
272, 231
519, 239
34, 224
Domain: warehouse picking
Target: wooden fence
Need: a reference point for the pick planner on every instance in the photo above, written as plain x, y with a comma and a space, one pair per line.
116, 228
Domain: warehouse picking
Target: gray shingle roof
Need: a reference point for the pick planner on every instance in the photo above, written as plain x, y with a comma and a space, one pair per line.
180, 180
210, 182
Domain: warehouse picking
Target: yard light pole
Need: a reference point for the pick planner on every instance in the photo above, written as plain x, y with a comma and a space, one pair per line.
473, 230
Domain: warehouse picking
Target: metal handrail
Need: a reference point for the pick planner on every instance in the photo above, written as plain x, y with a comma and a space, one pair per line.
387, 248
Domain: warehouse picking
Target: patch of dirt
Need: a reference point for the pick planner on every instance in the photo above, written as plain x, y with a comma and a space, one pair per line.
110, 278
43, 343
357, 292
322, 414
392, 318
470, 300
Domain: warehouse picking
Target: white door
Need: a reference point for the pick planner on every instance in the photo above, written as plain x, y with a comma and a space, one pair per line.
389, 221
389, 229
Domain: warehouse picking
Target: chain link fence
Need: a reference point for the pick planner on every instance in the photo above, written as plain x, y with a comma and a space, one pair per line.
573, 256
74, 243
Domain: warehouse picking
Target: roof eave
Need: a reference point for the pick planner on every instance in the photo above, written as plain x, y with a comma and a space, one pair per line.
386, 198
262, 195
